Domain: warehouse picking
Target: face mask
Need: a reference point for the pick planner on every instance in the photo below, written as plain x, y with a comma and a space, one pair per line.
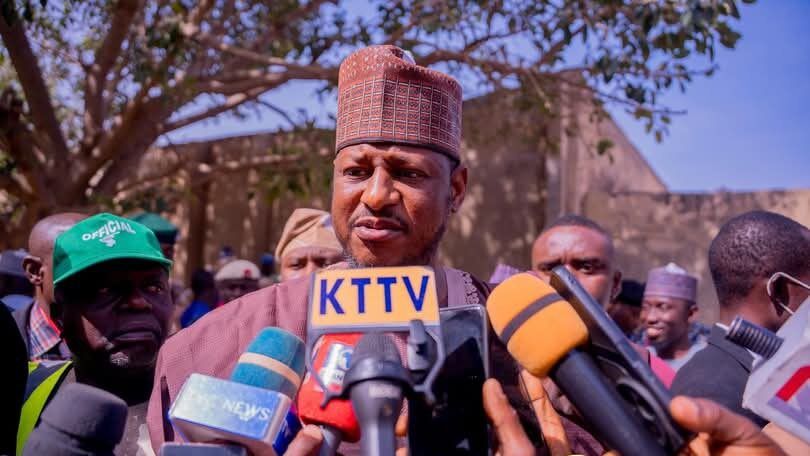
772, 294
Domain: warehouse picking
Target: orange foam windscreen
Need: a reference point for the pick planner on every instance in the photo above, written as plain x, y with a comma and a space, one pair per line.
537, 325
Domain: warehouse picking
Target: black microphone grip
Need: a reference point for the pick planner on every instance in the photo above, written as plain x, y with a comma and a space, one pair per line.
377, 404
602, 407
331, 441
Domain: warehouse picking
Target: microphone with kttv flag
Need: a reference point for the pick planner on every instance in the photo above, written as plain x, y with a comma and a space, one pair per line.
253, 409
546, 336
337, 420
371, 300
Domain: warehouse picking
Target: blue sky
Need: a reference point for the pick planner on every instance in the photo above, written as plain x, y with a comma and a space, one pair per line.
746, 128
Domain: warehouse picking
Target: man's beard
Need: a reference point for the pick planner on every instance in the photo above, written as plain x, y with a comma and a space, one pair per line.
423, 258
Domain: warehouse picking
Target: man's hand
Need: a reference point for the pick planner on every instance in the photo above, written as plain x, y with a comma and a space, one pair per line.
306, 443
513, 440
547, 417
721, 432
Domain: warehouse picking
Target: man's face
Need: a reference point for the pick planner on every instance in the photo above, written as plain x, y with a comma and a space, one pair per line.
306, 260
230, 289
116, 314
585, 253
390, 203
666, 320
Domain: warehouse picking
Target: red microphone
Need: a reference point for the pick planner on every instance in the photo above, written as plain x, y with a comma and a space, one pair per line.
337, 421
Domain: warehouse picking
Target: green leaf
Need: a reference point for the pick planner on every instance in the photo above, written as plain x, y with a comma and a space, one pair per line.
603, 146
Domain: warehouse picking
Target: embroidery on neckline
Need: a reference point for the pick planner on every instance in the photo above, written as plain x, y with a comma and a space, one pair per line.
471, 292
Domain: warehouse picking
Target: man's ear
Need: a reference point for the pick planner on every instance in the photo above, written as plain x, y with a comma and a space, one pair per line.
692, 312
32, 265
57, 309
458, 187
617, 285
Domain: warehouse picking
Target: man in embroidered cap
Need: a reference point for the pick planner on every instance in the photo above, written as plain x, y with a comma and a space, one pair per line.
308, 244
397, 179
667, 312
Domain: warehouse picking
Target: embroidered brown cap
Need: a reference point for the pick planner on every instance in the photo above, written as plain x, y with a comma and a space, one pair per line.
383, 96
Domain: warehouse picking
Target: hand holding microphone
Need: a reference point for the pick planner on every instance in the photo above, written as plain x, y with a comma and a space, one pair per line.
722, 432
544, 334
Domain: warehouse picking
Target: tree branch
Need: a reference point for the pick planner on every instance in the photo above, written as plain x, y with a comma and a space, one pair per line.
19, 143
36, 92
265, 79
145, 180
230, 103
105, 57
297, 71
555, 49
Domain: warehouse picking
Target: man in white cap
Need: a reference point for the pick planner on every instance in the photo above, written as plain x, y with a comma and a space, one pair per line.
667, 312
236, 279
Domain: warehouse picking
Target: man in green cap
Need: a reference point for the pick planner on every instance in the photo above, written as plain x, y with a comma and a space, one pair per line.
111, 284
165, 231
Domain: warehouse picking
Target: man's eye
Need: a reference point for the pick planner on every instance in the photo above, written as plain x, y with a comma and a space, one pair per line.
355, 172
410, 174
106, 291
155, 288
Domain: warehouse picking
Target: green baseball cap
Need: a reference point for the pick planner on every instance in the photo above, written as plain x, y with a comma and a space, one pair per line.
165, 231
103, 237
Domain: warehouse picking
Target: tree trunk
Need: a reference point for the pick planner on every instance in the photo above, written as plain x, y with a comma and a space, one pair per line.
198, 216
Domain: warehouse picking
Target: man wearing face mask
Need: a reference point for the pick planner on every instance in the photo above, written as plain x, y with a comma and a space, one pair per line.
113, 304
760, 264
308, 244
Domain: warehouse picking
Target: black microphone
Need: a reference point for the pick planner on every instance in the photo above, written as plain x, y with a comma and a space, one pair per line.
545, 335
376, 383
79, 421
455, 424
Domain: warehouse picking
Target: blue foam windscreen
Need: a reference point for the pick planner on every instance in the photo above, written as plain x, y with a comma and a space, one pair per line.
275, 360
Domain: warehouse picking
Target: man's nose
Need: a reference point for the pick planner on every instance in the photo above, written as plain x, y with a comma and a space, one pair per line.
136, 301
380, 192
311, 267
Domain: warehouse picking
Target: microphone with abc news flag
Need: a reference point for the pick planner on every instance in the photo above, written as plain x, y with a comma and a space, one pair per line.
253, 408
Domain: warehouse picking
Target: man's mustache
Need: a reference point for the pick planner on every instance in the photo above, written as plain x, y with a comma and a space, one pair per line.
382, 214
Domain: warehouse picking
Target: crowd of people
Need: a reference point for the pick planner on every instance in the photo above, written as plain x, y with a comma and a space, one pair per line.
94, 299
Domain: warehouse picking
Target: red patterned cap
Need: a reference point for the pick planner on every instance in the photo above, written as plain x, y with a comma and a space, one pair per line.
384, 97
